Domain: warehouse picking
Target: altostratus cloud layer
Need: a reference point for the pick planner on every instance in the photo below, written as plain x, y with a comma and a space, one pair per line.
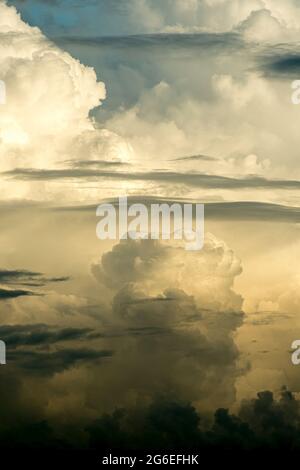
274, 20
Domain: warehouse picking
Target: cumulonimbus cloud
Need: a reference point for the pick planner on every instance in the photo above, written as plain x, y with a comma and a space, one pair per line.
190, 305
49, 96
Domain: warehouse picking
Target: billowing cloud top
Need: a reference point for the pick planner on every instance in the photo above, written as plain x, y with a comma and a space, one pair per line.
49, 95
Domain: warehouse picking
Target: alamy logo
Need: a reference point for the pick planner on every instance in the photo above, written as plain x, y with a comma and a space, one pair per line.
2, 92
2, 353
296, 354
136, 221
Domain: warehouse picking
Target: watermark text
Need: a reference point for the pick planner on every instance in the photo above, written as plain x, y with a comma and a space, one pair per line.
162, 221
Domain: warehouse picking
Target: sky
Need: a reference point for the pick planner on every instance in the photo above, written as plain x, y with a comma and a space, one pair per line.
170, 100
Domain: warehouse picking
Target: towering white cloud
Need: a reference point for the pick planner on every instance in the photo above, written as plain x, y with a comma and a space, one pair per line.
208, 275
49, 97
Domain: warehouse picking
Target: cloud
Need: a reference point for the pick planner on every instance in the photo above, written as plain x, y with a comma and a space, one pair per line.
149, 16
162, 266
50, 363
157, 41
283, 64
235, 210
6, 294
59, 91
22, 277
159, 286
39, 335
216, 116
262, 26
27, 278
159, 110
261, 424
190, 179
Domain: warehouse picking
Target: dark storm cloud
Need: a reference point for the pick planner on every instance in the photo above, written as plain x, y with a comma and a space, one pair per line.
27, 278
281, 65
197, 180
163, 425
50, 363
6, 294
22, 277
263, 423
279, 61
20, 339
289, 65
7, 275
39, 335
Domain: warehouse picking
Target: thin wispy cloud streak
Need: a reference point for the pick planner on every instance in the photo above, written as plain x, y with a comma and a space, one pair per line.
190, 179
236, 210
